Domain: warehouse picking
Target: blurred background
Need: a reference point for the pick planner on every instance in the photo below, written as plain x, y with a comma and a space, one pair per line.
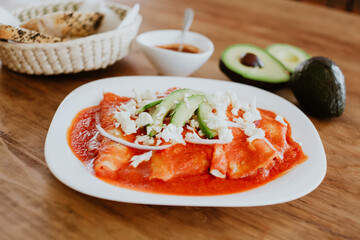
344, 5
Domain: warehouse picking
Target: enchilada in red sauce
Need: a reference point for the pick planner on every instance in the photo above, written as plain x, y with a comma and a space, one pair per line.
185, 167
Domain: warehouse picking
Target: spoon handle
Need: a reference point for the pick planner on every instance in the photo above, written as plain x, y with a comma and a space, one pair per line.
188, 18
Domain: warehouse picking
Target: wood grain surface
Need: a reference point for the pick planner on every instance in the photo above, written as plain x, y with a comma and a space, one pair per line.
35, 205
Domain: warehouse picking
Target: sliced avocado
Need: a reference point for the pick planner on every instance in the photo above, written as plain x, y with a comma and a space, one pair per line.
319, 86
149, 105
185, 109
202, 114
252, 65
163, 109
290, 56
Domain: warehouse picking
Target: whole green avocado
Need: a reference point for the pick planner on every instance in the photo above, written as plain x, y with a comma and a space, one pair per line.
319, 86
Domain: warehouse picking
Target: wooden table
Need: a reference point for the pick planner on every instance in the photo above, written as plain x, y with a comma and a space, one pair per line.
35, 205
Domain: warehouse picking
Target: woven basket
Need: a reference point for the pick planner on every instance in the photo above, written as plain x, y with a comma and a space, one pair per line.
82, 54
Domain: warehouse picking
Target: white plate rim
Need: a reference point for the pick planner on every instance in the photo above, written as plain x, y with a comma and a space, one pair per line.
70, 171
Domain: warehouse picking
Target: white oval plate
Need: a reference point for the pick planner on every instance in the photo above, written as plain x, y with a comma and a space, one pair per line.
298, 182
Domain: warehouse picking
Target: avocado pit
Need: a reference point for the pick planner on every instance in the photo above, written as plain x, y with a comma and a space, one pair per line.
251, 60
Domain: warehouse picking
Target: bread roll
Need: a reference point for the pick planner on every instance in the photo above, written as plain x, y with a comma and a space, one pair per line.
66, 24
21, 35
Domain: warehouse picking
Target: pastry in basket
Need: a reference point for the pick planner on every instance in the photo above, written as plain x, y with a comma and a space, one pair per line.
66, 24
22, 35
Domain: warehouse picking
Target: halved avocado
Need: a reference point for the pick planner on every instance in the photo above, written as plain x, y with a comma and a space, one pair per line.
290, 56
249, 64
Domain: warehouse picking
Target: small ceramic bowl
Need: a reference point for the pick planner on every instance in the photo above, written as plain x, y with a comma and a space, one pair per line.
174, 63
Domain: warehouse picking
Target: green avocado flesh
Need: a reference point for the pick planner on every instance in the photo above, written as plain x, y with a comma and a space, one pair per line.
163, 109
149, 105
185, 109
270, 75
202, 114
319, 86
290, 56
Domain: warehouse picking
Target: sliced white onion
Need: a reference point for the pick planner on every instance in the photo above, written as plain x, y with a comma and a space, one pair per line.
129, 144
273, 148
206, 141
196, 139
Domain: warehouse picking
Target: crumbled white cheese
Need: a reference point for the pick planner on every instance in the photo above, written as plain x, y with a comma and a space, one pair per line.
280, 119
158, 142
137, 159
240, 121
149, 129
130, 106
252, 114
250, 130
123, 119
253, 132
171, 133
194, 123
215, 121
144, 119
145, 139
122, 116
129, 127
225, 134
218, 101
237, 104
191, 136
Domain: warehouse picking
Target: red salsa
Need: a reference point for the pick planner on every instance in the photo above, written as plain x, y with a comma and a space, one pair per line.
187, 48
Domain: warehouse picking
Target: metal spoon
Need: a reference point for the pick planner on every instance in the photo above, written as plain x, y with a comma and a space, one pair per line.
188, 18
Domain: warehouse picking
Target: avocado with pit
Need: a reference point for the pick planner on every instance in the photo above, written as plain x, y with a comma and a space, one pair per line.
289, 56
249, 64
319, 86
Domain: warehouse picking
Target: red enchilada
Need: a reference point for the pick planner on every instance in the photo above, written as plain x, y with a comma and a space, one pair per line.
168, 143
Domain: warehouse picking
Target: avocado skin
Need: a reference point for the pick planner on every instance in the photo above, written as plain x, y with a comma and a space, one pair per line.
260, 84
319, 86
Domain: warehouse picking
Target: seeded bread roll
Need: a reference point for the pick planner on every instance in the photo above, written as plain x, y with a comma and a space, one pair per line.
25, 36
66, 24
